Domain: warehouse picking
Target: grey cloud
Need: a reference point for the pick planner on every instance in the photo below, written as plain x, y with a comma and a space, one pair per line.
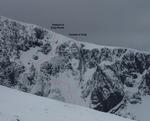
108, 22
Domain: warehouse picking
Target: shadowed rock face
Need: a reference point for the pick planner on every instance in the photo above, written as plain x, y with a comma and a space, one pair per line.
105, 95
38, 61
145, 83
105, 104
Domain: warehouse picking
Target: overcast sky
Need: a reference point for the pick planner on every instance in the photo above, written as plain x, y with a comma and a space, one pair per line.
107, 22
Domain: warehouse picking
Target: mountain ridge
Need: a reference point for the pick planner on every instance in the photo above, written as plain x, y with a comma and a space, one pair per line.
42, 62
71, 39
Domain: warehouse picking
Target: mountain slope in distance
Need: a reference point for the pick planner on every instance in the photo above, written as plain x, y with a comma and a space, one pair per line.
41, 62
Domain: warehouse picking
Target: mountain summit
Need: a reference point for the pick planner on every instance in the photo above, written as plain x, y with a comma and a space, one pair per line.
44, 63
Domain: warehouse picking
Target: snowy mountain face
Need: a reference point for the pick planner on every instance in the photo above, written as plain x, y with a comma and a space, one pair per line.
41, 62
38, 109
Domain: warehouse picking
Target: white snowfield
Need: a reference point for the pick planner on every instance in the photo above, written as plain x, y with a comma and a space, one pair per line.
19, 106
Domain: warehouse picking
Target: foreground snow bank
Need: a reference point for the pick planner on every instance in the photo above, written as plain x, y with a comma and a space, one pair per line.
19, 106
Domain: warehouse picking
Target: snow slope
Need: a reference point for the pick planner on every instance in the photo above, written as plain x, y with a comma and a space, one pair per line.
141, 110
19, 106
